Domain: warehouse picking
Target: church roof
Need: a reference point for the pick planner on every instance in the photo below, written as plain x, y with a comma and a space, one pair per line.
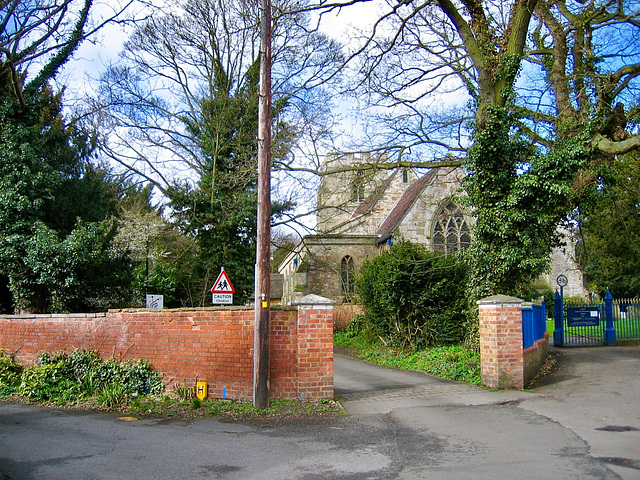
372, 199
403, 205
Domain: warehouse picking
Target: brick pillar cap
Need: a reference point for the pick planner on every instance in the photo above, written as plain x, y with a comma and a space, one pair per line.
499, 299
313, 300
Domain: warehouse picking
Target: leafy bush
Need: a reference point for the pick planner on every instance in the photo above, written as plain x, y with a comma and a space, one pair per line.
10, 372
141, 379
414, 298
48, 382
62, 377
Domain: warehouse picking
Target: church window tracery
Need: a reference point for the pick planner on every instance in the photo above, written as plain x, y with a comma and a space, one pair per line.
451, 232
357, 186
346, 274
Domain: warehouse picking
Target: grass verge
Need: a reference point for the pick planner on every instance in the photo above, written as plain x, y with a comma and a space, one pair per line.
227, 410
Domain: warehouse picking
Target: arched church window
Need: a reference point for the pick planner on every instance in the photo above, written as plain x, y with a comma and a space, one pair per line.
346, 274
357, 187
451, 232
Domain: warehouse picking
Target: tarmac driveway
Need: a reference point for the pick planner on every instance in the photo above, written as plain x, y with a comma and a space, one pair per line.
401, 425
595, 393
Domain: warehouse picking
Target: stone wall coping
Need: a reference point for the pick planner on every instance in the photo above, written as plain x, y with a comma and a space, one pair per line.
233, 308
312, 300
26, 316
500, 300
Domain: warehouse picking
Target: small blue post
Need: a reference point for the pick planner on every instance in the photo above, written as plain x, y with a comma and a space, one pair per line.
224, 393
558, 319
609, 331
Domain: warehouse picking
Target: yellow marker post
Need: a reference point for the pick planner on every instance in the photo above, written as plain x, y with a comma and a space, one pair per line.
201, 390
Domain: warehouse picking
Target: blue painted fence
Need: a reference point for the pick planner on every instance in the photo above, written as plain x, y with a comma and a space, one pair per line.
534, 323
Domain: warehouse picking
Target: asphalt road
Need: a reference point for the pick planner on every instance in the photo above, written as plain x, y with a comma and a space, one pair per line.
401, 425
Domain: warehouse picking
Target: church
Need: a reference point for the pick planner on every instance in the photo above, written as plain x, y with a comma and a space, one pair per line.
363, 210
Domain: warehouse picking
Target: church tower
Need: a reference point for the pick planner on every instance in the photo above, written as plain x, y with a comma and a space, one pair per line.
347, 180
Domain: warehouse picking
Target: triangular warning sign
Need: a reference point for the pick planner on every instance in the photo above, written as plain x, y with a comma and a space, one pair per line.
223, 284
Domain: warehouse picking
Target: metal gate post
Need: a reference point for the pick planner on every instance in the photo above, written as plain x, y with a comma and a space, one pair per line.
609, 331
558, 319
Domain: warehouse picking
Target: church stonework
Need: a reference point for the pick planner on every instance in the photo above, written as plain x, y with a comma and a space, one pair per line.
361, 211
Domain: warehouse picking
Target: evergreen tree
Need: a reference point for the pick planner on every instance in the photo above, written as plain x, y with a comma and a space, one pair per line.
220, 211
54, 234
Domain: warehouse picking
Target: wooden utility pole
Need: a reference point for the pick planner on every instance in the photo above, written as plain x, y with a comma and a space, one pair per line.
263, 264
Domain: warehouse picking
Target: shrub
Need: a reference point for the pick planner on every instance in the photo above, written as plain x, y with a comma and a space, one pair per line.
414, 298
62, 377
141, 379
10, 372
48, 382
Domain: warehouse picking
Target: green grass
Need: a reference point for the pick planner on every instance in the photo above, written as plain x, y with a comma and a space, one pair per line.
231, 409
625, 328
453, 362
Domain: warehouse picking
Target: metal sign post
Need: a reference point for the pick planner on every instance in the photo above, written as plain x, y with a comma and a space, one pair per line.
558, 312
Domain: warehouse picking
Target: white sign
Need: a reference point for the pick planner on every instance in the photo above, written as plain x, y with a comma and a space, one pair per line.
222, 298
155, 301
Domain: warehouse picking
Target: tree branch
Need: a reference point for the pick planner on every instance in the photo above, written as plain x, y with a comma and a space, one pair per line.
616, 148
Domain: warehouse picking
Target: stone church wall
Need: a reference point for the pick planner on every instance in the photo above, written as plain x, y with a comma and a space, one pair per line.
417, 224
400, 204
335, 195
325, 255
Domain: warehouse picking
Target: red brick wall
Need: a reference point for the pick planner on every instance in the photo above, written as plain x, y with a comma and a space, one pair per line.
315, 345
211, 345
534, 358
501, 356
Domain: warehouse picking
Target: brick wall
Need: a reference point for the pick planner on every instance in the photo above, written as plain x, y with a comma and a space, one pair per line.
534, 358
213, 345
501, 358
504, 363
315, 344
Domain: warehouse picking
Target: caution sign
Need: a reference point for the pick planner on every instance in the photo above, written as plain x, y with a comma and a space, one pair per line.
223, 284
222, 289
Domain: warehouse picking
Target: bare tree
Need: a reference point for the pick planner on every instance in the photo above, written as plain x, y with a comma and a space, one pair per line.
428, 70
583, 64
151, 102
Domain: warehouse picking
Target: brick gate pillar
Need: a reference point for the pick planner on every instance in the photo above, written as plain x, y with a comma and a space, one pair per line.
315, 347
501, 355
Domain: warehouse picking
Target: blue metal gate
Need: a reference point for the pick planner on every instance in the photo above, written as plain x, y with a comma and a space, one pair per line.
583, 324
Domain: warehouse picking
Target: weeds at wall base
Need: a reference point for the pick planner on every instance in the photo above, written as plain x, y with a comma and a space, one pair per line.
82, 381
225, 410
